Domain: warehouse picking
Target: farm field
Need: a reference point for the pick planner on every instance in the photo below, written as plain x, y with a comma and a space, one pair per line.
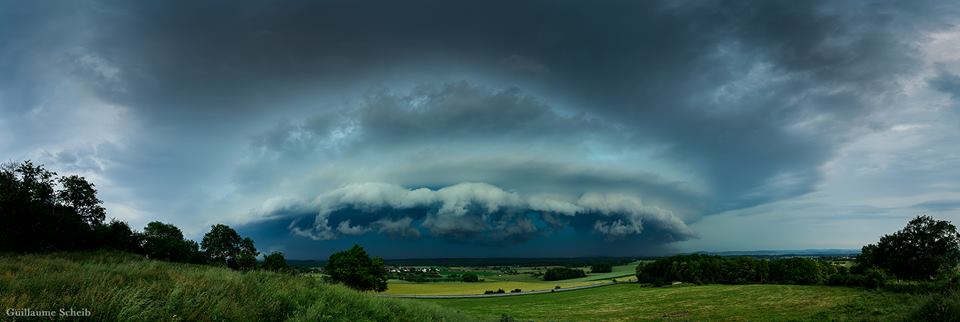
507, 282
709, 302
460, 288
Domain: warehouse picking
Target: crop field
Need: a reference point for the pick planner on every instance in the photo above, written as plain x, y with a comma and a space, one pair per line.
459, 288
710, 302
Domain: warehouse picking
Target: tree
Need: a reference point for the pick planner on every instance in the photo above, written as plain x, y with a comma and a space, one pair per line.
118, 235
33, 218
355, 269
81, 195
275, 262
222, 245
165, 242
247, 257
470, 277
917, 252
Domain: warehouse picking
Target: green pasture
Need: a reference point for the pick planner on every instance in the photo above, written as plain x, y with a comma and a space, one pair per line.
696, 303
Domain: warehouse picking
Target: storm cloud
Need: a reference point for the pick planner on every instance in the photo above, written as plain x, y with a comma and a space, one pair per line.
641, 124
479, 212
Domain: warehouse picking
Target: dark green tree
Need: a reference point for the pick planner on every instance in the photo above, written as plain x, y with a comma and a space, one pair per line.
81, 195
917, 252
470, 277
247, 257
165, 242
33, 218
355, 269
118, 235
222, 246
275, 262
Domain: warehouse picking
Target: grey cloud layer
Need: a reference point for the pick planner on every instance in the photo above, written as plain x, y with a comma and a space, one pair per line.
480, 212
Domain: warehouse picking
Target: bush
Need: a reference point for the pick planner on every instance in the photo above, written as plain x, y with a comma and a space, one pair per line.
355, 269
562, 273
939, 307
470, 277
874, 278
275, 262
516, 290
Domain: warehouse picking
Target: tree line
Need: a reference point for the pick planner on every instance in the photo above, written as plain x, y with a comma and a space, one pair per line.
562, 273
44, 212
925, 250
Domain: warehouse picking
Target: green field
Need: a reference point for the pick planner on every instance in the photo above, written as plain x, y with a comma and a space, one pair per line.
460, 288
493, 281
710, 302
118, 286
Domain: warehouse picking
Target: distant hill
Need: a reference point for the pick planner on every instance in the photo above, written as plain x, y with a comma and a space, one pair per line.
788, 252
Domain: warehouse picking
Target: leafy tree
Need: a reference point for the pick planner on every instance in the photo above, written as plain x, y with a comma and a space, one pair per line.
33, 219
222, 245
470, 277
355, 269
247, 257
275, 262
118, 235
917, 252
81, 195
165, 242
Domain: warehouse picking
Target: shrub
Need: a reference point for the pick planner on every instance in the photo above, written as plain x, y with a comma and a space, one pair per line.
470, 277
355, 269
516, 290
939, 307
874, 278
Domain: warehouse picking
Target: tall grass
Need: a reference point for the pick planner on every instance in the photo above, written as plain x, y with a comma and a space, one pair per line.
118, 286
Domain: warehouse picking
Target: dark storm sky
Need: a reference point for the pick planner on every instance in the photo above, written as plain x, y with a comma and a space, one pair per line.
495, 128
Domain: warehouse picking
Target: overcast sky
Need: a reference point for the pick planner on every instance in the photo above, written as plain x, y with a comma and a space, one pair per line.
495, 128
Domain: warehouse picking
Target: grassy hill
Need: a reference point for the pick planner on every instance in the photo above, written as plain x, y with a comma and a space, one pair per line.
118, 286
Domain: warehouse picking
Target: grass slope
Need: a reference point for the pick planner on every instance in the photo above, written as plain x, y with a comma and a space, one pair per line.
696, 303
124, 287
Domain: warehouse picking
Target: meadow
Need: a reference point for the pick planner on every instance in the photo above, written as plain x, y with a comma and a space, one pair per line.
697, 303
125, 287
120, 286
